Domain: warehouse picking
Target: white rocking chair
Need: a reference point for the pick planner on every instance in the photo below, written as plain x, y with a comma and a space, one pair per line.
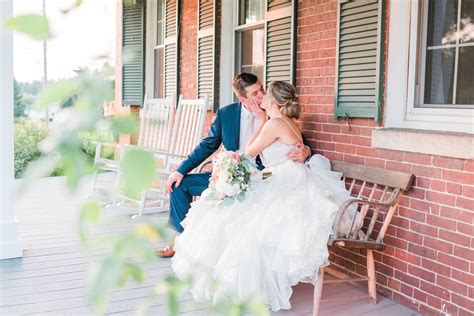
188, 128
156, 124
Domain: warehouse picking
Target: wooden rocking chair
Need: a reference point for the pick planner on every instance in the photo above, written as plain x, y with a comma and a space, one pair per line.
188, 129
374, 191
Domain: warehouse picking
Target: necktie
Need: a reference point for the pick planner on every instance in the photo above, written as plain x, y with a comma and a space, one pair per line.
248, 130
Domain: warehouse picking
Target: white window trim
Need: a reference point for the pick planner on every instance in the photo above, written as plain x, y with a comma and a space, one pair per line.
226, 67
151, 7
401, 79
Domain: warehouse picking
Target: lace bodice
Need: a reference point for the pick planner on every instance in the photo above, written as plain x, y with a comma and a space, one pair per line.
276, 153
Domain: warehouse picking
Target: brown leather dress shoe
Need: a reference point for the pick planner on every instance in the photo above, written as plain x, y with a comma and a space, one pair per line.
167, 252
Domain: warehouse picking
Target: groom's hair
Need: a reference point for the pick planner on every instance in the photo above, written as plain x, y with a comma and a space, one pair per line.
242, 81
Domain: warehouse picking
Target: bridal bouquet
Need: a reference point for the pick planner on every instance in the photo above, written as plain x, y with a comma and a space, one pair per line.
231, 176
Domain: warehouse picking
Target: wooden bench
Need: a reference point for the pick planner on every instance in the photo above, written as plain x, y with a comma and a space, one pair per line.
376, 195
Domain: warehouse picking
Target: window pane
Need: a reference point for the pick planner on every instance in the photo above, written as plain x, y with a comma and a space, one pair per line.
465, 83
251, 52
439, 76
159, 23
250, 11
442, 22
467, 22
158, 89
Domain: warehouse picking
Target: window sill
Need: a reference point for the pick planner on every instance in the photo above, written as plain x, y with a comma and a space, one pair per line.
448, 144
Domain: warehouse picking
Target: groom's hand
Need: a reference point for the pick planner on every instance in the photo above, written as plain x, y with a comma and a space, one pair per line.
175, 177
300, 154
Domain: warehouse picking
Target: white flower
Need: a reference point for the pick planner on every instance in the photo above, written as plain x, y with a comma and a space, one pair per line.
224, 187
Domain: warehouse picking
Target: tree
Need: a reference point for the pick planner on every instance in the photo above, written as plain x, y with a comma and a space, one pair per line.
19, 103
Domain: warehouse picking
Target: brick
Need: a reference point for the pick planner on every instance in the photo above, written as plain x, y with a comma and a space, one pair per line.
466, 278
441, 198
451, 285
395, 263
346, 149
465, 253
325, 146
438, 244
394, 284
407, 301
436, 267
334, 156
464, 203
452, 261
412, 214
395, 242
383, 268
448, 163
435, 290
409, 236
468, 191
421, 273
469, 165
455, 238
407, 290
421, 251
391, 155
362, 141
458, 177
426, 310
403, 167
354, 159
400, 222
378, 163
420, 296
457, 214
423, 182
417, 158
433, 301
438, 185
367, 152
453, 188
463, 312
426, 171
342, 139
465, 228
441, 222
417, 193
424, 229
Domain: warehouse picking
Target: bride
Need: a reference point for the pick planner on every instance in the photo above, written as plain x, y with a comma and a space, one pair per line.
277, 236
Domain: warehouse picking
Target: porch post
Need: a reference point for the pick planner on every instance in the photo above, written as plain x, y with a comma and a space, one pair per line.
10, 244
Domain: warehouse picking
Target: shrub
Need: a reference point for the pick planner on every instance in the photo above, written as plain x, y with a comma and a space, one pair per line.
28, 134
88, 146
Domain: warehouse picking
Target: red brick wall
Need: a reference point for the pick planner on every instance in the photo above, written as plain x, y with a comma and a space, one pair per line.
429, 262
188, 49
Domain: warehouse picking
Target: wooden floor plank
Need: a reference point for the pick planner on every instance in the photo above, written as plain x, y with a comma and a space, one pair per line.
51, 277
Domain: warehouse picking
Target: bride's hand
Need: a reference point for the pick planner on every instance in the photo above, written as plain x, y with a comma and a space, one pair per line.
260, 113
300, 154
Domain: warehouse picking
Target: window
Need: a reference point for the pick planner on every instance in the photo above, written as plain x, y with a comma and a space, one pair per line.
447, 54
250, 36
429, 67
161, 71
159, 51
260, 38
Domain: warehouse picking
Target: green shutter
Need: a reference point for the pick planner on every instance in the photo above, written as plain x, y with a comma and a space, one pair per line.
207, 41
171, 48
133, 52
360, 48
280, 43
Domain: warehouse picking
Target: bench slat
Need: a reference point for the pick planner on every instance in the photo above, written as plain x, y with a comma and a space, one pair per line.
381, 176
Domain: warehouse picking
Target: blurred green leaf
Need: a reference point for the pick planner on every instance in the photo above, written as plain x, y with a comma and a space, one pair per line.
105, 278
33, 25
90, 212
58, 93
138, 168
124, 125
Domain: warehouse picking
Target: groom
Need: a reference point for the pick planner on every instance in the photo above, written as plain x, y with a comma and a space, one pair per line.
232, 127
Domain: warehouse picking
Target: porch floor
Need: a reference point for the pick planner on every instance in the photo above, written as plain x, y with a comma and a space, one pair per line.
51, 278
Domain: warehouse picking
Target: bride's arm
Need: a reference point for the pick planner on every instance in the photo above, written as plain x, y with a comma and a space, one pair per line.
263, 136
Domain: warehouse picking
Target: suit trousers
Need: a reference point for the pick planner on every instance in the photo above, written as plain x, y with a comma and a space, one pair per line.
181, 197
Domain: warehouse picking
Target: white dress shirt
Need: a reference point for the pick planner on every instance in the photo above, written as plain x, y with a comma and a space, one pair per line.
245, 133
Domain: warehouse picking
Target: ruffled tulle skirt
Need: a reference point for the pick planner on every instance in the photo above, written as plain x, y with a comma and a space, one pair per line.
265, 244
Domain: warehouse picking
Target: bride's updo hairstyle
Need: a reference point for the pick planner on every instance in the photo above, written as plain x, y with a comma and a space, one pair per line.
285, 97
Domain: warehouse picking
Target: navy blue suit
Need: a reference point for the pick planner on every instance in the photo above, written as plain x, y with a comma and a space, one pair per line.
225, 129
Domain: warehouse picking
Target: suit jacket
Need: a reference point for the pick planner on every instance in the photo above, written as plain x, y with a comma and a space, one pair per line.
225, 129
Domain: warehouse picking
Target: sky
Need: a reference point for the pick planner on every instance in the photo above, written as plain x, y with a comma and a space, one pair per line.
80, 38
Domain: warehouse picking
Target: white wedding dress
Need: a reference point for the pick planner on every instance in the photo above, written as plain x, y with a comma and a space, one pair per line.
267, 243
